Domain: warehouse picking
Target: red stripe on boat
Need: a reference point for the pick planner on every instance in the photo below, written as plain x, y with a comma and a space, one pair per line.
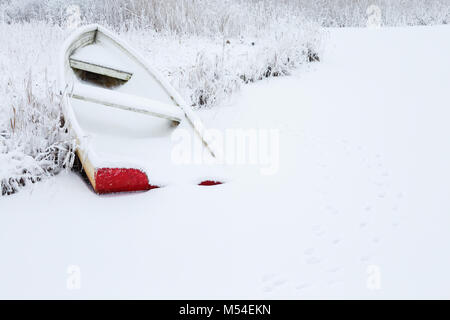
209, 183
109, 180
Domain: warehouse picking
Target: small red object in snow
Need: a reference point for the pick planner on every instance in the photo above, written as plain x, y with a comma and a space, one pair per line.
109, 180
210, 183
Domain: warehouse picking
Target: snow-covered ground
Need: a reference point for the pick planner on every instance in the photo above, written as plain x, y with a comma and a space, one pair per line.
358, 208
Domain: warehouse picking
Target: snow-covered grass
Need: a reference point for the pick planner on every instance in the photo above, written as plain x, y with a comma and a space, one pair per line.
34, 140
208, 50
211, 17
207, 70
351, 13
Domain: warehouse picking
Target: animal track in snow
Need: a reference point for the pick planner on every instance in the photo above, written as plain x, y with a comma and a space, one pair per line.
335, 282
303, 286
319, 230
331, 210
310, 257
313, 260
272, 282
267, 277
336, 241
375, 201
334, 270
364, 259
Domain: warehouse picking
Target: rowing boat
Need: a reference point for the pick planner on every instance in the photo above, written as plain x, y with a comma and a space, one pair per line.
123, 114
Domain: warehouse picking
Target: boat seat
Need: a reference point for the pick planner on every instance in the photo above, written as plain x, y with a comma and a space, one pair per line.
97, 59
127, 102
99, 69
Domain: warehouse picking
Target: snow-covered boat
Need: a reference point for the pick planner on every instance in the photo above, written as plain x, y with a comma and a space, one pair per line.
123, 113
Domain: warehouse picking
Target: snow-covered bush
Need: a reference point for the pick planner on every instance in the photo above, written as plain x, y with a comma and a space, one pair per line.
34, 141
214, 76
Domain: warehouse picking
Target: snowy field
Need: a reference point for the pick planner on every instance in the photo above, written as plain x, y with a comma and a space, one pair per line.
358, 208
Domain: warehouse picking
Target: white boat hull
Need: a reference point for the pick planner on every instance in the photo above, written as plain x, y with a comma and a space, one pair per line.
124, 116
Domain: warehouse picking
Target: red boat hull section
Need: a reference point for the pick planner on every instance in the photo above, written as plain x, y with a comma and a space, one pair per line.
209, 183
110, 180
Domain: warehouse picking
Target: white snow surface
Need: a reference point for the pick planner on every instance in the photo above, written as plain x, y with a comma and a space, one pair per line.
363, 183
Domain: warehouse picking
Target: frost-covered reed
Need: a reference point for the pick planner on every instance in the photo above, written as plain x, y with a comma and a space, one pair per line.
213, 17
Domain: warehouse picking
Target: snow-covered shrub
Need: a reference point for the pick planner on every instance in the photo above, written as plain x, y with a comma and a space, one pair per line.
215, 76
34, 141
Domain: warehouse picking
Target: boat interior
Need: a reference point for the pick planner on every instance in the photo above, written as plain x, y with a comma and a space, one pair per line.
126, 114
99, 67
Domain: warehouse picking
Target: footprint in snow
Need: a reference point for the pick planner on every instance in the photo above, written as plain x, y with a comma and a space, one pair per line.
267, 277
303, 286
336, 242
364, 259
319, 230
335, 282
272, 282
332, 210
335, 270
313, 260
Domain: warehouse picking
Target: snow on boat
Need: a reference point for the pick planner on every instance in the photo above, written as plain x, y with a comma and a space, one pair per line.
124, 113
